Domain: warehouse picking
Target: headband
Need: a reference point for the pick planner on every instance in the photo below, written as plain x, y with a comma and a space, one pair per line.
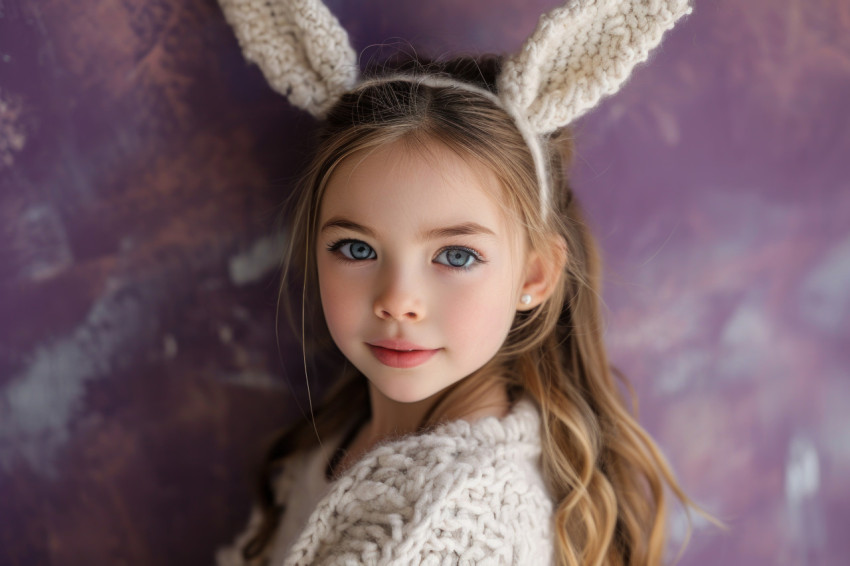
579, 53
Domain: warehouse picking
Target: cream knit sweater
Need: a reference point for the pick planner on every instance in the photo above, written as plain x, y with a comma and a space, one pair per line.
460, 494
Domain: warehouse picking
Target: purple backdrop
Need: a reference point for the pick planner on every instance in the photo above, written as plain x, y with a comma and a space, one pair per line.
142, 165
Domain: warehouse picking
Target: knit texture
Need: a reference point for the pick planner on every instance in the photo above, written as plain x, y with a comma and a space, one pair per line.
299, 45
460, 494
581, 52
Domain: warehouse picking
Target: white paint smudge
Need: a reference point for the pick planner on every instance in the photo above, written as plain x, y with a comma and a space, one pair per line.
225, 334
254, 264
744, 340
802, 470
806, 533
169, 346
678, 529
38, 405
825, 292
667, 326
682, 369
40, 243
668, 128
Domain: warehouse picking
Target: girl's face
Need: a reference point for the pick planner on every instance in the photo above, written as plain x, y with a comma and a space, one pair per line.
420, 270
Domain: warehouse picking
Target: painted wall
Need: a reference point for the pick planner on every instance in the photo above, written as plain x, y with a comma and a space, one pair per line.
142, 166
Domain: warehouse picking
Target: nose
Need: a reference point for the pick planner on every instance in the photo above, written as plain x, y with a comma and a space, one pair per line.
399, 297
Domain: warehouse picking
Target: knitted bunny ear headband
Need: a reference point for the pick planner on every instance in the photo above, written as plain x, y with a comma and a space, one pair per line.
579, 53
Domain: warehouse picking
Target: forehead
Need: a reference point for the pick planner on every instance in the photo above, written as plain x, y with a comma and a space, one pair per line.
407, 185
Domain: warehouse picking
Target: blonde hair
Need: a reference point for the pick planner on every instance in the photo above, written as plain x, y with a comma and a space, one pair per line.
606, 474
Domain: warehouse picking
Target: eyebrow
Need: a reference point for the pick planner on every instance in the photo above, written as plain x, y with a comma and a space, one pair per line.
463, 229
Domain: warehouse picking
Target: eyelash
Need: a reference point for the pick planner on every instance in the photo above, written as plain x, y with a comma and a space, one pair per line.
334, 247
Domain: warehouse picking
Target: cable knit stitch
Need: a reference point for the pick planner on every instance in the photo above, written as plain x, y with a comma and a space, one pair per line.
299, 45
581, 52
461, 494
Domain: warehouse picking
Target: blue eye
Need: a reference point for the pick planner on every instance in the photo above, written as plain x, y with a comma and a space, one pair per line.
462, 258
354, 250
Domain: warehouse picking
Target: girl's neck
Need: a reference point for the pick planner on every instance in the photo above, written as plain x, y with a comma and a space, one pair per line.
391, 419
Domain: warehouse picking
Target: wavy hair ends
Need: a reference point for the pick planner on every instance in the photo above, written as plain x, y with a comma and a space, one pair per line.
607, 476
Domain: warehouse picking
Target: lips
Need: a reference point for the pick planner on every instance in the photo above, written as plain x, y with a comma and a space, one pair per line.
400, 353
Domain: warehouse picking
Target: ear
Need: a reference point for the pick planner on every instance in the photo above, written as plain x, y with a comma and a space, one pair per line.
581, 52
299, 45
542, 273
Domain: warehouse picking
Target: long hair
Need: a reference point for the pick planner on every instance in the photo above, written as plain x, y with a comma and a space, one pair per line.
607, 476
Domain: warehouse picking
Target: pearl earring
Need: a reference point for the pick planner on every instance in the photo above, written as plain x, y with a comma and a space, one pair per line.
525, 299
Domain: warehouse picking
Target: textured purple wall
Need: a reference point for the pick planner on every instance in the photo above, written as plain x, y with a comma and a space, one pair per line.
141, 169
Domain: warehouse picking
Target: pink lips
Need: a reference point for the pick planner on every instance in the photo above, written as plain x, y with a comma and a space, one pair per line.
400, 353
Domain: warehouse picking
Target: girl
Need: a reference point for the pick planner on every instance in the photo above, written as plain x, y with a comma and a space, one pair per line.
455, 288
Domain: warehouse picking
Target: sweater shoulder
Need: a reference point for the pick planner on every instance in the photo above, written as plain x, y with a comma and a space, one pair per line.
462, 490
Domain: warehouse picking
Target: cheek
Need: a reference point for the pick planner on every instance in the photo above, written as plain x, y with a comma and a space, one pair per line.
478, 313
339, 302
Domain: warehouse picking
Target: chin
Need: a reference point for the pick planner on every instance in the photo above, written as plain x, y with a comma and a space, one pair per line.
406, 394
410, 388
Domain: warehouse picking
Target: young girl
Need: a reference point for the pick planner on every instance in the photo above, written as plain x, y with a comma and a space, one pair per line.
455, 288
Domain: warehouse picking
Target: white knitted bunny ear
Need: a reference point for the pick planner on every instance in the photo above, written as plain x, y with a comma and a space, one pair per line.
579, 53
299, 45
